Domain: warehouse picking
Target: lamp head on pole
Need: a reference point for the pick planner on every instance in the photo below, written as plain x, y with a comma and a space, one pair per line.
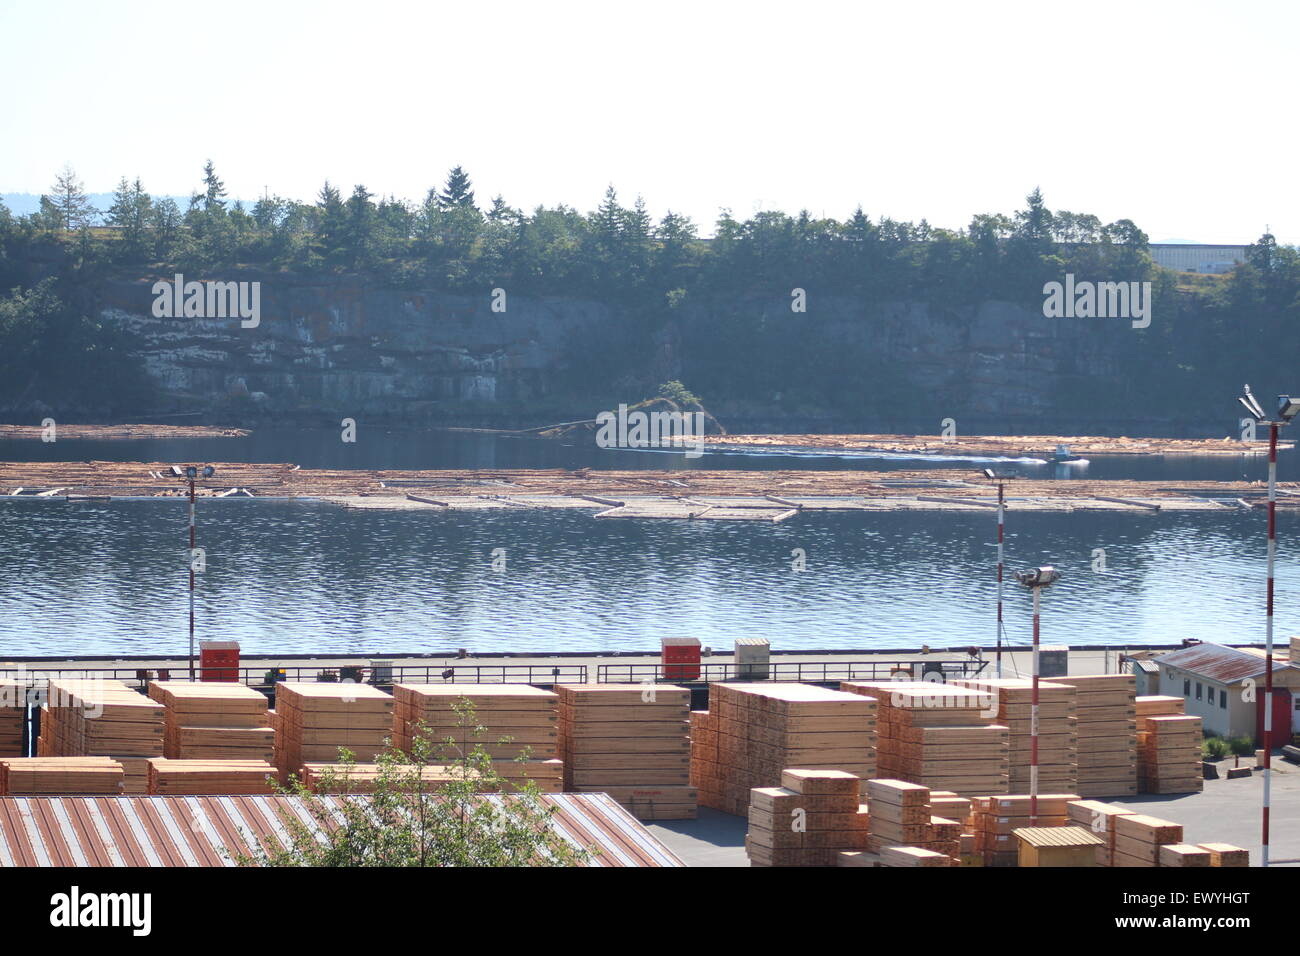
1038, 577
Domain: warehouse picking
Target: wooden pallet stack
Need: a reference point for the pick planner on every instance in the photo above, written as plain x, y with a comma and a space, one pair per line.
1169, 747
1107, 748
901, 815
632, 743
1058, 762
807, 821
168, 777
755, 731
214, 721
938, 735
995, 818
103, 718
315, 720
1138, 839
529, 716
546, 775
61, 777
13, 697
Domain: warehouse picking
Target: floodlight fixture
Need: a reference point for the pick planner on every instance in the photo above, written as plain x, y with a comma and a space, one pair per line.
1038, 577
191, 471
1287, 407
208, 471
1251, 404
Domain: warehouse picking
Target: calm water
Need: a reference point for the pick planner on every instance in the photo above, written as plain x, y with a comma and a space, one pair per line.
309, 577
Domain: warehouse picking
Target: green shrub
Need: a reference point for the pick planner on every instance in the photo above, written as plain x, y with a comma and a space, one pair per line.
1214, 748
1242, 745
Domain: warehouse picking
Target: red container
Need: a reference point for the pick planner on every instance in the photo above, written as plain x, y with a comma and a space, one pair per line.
681, 658
219, 661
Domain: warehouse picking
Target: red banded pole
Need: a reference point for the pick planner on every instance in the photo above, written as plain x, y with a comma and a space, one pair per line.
1000, 527
191, 579
1268, 637
1033, 726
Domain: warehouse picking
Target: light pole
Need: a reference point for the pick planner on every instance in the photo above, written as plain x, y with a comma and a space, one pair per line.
1287, 408
191, 474
993, 476
1035, 579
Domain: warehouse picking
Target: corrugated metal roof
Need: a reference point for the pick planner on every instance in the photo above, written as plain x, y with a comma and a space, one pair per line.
212, 831
1227, 665
1058, 836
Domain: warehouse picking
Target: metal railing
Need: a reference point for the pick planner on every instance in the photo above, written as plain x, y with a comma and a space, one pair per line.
812, 672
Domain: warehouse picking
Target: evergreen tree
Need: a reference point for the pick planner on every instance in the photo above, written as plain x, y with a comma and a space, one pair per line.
458, 191
213, 189
68, 202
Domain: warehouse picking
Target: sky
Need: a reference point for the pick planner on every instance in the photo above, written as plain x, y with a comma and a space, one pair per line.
1175, 115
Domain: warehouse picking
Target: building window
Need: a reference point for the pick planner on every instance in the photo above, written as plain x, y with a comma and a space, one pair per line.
1198, 690
1223, 699
1187, 688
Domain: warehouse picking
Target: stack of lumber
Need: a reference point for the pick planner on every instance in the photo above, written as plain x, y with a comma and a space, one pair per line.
1138, 839
754, 732
995, 819
546, 775
1100, 819
1169, 747
214, 721
61, 777
315, 720
630, 742
1184, 855
210, 777
102, 718
901, 815
529, 716
807, 821
938, 735
1058, 767
1225, 854
1107, 749
13, 697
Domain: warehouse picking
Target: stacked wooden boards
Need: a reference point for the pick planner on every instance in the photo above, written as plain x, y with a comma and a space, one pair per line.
1100, 819
315, 720
546, 775
940, 736
1169, 747
102, 718
807, 821
1058, 766
13, 697
1107, 747
61, 776
214, 721
630, 742
528, 716
753, 732
902, 816
1136, 840
994, 820
169, 777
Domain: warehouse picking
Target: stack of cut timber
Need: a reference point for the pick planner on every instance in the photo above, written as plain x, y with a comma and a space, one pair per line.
214, 721
1100, 819
807, 821
630, 742
938, 735
106, 719
995, 818
901, 815
1106, 710
210, 777
1058, 767
13, 697
1184, 855
547, 775
912, 856
1138, 839
1225, 854
754, 732
60, 776
527, 715
316, 720
1169, 747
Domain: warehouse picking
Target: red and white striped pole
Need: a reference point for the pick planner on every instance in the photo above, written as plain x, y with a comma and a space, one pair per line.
1268, 636
1033, 725
191, 579
1000, 527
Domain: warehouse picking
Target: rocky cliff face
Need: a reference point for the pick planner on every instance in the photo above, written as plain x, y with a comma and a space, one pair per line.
354, 349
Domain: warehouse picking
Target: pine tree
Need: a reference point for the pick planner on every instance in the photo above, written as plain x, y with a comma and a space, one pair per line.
213, 188
68, 202
458, 191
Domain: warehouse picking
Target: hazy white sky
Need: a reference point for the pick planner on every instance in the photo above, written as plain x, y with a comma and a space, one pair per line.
1176, 115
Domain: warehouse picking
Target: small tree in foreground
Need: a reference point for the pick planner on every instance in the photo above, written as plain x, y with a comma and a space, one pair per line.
420, 811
